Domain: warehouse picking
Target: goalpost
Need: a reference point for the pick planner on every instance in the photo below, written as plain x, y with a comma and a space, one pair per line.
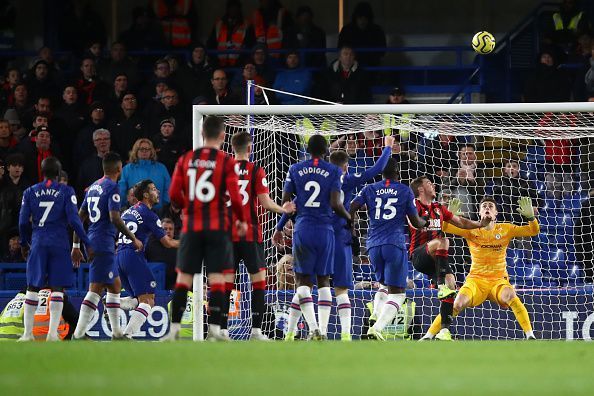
549, 146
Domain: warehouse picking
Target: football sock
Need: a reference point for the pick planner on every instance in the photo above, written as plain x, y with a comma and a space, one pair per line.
258, 303
324, 308
441, 263
31, 301
137, 318
55, 307
344, 312
436, 325
178, 302
225, 306
307, 307
217, 299
112, 305
87, 309
379, 300
521, 314
446, 312
294, 314
128, 303
389, 310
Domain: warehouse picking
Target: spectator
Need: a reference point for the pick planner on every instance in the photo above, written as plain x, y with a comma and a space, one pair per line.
170, 211
468, 181
559, 157
89, 87
295, 80
21, 100
178, 21
193, 76
271, 21
509, 188
583, 231
362, 32
12, 77
144, 165
127, 127
263, 67
94, 50
221, 94
119, 64
83, 146
358, 159
17, 130
116, 94
157, 253
145, 33
45, 53
72, 115
36, 148
14, 253
42, 106
547, 83
231, 32
169, 107
306, 34
161, 74
346, 82
130, 199
12, 186
438, 157
7, 142
167, 144
64, 178
39, 82
565, 26
397, 96
91, 168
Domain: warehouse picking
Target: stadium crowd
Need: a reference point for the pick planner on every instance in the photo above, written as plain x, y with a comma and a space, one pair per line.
102, 99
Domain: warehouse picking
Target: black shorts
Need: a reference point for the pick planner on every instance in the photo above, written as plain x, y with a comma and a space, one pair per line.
252, 254
214, 248
425, 264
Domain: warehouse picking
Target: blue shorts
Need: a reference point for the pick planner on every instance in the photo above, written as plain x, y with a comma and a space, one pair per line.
135, 274
103, 268
313, 251
390, 265
49, 266
343, 265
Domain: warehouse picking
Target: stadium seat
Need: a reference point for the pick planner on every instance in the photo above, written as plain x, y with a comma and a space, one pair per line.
15, 281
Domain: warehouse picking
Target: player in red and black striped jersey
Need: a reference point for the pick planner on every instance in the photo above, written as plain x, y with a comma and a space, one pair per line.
429, 247
201, 182
253, 188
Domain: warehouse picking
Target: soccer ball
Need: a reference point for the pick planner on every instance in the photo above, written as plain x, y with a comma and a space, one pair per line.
483, 43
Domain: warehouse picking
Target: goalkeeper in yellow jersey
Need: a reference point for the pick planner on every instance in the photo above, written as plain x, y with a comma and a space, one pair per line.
488, 279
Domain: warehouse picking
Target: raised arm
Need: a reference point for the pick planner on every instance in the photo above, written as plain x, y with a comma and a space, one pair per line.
380, 164
526, 209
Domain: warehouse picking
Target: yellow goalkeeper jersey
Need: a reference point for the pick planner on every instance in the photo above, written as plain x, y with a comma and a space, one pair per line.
488, 248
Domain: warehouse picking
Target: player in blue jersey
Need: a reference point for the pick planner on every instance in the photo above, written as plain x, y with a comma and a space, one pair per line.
47, 210
342, 277
135, 274
389, 204
101, 207
316, 185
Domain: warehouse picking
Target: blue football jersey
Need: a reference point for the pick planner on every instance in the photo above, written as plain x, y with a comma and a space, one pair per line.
46, 211
142, 222
388, 203
312, 181
102, 197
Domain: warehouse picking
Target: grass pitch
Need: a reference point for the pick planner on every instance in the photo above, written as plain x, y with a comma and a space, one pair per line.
299, 368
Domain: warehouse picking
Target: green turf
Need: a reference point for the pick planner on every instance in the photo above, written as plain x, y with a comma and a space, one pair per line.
331, 368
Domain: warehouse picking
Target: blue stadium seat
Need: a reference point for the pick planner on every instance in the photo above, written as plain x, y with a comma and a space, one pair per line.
363, 273
15, 280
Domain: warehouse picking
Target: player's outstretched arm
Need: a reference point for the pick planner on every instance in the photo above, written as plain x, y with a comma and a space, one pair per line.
268, 204
116, 220
337, 206
380, 164
169, 242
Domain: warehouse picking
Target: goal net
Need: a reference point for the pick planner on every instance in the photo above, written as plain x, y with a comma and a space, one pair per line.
468, 151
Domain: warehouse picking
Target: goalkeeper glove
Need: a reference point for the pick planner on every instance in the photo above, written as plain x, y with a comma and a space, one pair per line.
525, 208
454, 206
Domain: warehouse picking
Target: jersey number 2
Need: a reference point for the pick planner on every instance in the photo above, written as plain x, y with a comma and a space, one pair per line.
311, 202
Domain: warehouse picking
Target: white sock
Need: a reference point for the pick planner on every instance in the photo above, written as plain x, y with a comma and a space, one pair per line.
529, 334
128, 303
344, 312
31, 301
112, 305
389, 310
214, 329
137, 319
55, 307
307, 307
294, 314
379, 300
324, 308
87, 310
174, 328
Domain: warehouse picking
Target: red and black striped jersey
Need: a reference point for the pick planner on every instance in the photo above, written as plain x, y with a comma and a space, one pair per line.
252, 181
436, 214
203, 181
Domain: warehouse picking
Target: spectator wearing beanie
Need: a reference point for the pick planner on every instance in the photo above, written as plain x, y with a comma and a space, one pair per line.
167, 144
